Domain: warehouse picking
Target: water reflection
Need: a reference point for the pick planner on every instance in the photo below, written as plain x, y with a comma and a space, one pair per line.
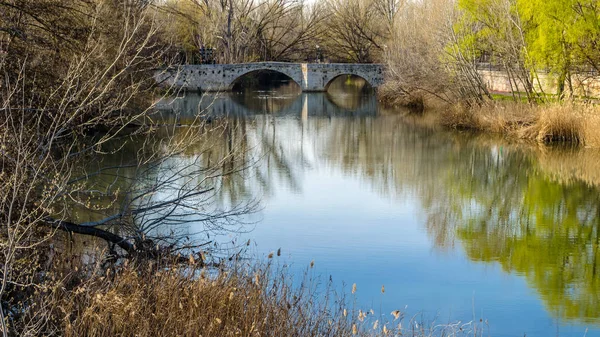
503, 208
349, 92
341, 99
534, 212
500, 202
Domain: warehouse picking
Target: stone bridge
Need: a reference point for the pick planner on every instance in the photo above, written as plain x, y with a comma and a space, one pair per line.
309, 76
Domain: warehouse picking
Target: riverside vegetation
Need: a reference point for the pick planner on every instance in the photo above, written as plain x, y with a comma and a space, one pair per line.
434, 51
77, 84
440, 47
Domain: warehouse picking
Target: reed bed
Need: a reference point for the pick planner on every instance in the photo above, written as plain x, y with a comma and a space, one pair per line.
174, 299
575, 123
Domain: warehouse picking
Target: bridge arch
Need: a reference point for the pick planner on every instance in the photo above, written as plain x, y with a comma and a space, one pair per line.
309, 76
293, 71
236, 79
333, 78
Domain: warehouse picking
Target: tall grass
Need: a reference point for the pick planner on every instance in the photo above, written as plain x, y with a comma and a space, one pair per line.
549, 123
153, 298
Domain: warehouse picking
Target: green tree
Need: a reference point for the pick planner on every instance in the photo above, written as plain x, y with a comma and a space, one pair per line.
550, 24
563, 36
497, 29
586, 36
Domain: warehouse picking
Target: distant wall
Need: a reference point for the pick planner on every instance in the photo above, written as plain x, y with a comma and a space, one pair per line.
583, 85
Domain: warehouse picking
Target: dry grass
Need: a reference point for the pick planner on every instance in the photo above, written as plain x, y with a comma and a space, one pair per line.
551, 123
390, 94
145, 299
190, 301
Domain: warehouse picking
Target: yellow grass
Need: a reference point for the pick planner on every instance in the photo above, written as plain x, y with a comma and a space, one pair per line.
189, 301
145, 299
550, 123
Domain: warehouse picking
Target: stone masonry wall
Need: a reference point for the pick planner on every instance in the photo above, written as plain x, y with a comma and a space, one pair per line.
309, 76
585, 86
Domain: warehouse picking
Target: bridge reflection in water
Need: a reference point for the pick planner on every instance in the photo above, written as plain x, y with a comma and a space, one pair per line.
241, 105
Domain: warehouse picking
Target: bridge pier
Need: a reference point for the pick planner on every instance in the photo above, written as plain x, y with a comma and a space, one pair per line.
311, 77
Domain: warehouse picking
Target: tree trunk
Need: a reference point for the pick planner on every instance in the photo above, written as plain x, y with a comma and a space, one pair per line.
91, 231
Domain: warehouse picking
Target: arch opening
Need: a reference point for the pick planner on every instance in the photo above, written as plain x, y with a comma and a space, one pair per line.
265, 91
265, 80
349, 84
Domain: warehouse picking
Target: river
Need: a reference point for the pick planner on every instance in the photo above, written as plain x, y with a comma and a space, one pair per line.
456, 226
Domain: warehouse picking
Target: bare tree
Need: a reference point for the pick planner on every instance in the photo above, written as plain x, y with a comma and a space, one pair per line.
389, 9
247, 30
70, 101
287, 29
424, 60
354, 31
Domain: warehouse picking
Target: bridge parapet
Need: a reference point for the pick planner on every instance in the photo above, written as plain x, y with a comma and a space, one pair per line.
309, 76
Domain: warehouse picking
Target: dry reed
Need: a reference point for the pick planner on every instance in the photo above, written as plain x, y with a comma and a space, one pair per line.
550, 123
145, 299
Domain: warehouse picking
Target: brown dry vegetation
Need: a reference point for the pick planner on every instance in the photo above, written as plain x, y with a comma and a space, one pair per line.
549, 123
164, 298
189, 301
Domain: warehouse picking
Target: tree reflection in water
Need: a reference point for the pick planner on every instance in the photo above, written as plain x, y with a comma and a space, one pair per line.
534, 211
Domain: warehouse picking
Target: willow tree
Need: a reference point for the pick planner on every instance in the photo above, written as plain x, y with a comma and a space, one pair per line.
587, 41
498, 30
550, 47
563, 37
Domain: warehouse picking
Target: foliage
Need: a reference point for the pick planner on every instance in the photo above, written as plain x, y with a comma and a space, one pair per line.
497, 29
529, 36
519, 38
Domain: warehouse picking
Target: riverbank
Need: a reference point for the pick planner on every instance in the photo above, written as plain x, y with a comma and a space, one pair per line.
164, 297
390, 155
565, 122
575, 123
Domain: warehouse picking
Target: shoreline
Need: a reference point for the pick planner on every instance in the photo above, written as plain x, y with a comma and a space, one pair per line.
567, 122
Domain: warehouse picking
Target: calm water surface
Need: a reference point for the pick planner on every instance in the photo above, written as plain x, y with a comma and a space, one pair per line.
456, 226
